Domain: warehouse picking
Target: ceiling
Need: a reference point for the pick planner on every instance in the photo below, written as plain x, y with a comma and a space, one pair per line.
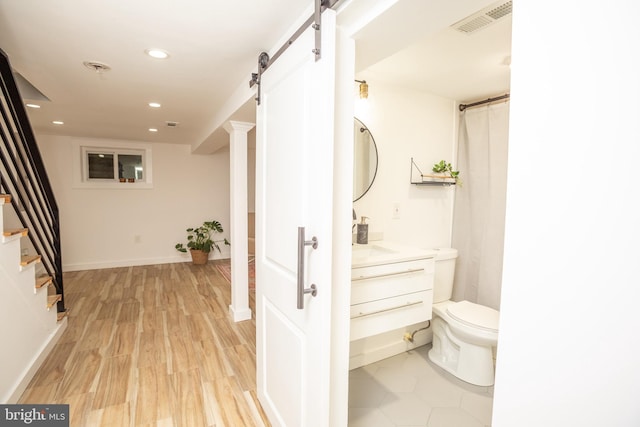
460, 66
213, 47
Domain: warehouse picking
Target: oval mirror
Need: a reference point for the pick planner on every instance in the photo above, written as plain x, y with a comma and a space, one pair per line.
365, 159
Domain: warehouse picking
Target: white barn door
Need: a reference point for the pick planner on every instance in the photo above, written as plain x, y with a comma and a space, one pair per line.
294, 189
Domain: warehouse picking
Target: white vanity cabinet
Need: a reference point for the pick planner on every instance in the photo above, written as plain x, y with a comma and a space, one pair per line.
390, 291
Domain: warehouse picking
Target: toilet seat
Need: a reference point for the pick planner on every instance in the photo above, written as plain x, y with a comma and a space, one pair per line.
475, 315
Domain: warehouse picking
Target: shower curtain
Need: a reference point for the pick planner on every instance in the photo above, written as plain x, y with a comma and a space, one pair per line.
478, 219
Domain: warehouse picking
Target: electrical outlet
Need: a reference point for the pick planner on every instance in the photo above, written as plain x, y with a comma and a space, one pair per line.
396, 210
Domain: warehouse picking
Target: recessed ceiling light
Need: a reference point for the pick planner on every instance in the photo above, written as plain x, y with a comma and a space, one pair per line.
57, 122
154, 105
33, 106
157, 53
153, 130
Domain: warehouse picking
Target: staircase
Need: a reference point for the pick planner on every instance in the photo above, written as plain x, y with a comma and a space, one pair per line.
32, 310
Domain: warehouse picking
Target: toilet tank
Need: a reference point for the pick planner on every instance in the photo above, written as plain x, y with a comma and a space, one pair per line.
443, 275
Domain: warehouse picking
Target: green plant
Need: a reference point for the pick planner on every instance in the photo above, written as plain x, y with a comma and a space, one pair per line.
446, 168
201, 238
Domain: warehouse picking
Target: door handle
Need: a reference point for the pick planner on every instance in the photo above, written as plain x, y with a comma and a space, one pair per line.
301, 245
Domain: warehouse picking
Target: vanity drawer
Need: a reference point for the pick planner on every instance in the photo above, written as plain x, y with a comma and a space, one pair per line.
382, 270
389, 280
376, 317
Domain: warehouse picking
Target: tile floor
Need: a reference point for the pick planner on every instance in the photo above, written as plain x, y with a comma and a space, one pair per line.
408, 390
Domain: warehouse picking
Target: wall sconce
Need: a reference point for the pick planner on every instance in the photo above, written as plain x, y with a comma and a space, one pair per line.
364, 89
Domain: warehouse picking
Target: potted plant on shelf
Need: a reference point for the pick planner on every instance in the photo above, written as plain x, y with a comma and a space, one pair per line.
200, 241
445, 171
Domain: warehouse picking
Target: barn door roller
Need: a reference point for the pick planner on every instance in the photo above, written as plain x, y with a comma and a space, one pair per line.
315, 20
317, 17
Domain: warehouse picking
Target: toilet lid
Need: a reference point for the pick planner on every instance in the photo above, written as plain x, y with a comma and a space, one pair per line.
475, 315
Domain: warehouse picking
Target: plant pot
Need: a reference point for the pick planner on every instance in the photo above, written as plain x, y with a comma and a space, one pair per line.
199, 257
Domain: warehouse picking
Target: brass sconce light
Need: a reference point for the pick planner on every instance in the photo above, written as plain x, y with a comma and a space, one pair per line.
364, 89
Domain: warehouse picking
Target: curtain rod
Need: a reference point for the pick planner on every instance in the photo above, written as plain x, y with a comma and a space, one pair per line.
463, 107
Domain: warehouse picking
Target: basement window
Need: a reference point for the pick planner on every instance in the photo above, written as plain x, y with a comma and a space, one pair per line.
127, 166
113, 167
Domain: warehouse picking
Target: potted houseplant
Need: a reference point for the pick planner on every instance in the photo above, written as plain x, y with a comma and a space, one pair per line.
200, 241
445, 171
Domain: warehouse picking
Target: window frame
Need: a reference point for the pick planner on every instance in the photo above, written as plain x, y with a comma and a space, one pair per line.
81, 164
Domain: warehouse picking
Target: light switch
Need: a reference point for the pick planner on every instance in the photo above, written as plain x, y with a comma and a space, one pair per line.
396, 210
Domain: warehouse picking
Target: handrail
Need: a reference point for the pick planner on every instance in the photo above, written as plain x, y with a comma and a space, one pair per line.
23, 175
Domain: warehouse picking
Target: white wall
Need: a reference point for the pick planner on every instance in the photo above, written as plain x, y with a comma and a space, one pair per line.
104, 228
569, 343
28, 329
406, 124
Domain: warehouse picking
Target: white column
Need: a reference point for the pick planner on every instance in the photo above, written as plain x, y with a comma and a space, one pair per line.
239, 234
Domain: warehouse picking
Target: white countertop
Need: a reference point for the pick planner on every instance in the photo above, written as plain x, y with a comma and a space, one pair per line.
384, 252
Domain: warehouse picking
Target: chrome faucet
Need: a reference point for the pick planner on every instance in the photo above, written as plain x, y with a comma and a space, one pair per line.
354, 218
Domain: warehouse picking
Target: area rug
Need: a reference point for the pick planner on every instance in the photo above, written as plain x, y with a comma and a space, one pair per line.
224, 267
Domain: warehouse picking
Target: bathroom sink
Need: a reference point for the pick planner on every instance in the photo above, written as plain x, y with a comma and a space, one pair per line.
381, 252
371, 250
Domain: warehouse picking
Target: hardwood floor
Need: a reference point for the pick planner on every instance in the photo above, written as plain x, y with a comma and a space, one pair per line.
152, 346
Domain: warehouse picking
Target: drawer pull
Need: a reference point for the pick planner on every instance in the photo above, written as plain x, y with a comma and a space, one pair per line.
395, 273
408, 304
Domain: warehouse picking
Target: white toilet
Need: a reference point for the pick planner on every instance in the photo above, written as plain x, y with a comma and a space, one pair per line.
464, 333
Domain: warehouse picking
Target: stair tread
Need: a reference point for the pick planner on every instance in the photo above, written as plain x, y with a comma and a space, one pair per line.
63, 314
5, 198
28, 259
14, 231
43, 280
52, 300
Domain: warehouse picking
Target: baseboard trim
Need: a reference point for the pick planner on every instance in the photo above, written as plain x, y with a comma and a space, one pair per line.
133, 262
389, 349
240, 315
38, 360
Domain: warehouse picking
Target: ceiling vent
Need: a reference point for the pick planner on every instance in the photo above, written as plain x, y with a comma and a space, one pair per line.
172, 124
98, 67
484, 17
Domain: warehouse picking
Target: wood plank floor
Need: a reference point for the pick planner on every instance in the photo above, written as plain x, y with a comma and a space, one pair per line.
152, 346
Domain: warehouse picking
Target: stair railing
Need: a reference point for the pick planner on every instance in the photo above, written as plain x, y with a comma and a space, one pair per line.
23, 176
